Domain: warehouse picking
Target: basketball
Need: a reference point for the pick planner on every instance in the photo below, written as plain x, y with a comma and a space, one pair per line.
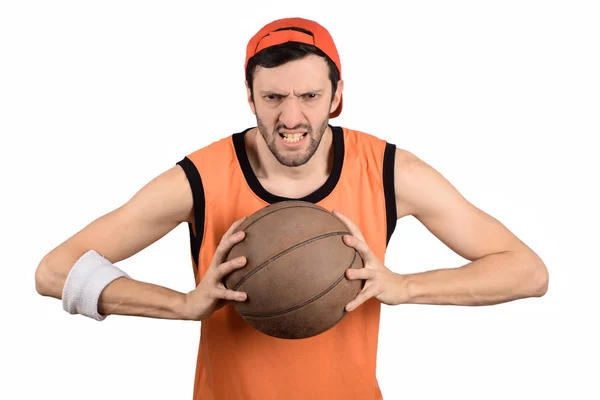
294, 276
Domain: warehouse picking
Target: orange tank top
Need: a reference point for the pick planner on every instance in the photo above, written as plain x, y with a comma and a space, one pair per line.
235, 361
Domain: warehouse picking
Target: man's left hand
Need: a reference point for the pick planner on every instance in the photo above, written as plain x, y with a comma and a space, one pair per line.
381, 283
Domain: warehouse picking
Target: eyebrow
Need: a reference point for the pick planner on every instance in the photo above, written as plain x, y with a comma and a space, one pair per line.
274, 93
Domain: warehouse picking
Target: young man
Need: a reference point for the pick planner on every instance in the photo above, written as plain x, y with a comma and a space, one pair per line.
294, 87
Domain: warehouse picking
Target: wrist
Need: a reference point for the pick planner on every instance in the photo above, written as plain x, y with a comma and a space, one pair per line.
405, 288
181, 307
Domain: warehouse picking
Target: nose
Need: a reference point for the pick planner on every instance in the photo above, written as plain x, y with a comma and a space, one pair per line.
291, 113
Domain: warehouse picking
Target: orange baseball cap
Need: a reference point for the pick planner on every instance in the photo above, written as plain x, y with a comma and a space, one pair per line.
270, 36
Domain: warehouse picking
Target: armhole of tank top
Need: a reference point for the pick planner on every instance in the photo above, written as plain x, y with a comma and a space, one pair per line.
389, 158
195, 181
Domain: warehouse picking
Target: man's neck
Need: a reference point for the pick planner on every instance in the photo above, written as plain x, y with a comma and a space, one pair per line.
290, 182
267, 167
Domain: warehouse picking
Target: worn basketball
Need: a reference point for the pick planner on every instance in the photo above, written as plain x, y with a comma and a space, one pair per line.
294, 276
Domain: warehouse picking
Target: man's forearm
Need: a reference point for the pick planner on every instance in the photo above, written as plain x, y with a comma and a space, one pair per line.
122, 296
126, 296
493, 279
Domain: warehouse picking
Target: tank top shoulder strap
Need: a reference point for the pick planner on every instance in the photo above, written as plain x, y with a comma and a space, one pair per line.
202, 167
379, 152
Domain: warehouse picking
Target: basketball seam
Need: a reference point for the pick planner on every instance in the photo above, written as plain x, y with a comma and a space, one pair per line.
298, 306
313, 207
284, 252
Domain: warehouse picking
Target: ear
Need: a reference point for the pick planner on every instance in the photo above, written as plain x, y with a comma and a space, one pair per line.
250, 102
337, 96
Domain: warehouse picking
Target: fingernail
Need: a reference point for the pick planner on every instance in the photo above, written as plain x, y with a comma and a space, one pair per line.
240, 261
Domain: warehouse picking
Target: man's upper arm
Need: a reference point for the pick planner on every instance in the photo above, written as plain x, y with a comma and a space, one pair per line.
156, 209
423, 192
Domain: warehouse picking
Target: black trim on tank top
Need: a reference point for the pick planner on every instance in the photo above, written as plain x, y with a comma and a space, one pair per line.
195, 181
389, 158
314, 197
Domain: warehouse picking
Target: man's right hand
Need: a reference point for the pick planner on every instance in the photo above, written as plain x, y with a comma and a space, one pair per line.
211, 294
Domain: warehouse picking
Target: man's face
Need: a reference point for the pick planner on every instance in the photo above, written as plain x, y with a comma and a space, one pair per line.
292, 104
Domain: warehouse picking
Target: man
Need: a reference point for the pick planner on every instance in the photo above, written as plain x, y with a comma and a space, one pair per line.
294, 87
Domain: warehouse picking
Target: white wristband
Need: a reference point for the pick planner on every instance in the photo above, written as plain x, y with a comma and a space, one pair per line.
85, 282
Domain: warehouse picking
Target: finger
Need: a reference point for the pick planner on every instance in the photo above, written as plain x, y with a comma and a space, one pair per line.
360, 273
234, 226
232, 231
363, 249
352, 227
226, 294
227, 242
228, 267
368, 292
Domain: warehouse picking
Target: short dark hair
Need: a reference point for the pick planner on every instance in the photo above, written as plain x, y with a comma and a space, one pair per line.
280, 54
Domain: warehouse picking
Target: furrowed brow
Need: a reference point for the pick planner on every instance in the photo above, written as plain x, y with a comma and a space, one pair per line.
319, 91
272, 93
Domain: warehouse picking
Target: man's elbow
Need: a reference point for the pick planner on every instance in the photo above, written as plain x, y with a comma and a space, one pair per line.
539, 277
48, 281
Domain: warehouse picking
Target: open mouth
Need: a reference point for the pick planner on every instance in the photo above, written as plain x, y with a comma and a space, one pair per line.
292, 137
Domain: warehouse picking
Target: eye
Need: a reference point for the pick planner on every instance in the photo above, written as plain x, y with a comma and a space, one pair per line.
310, 96
273, 97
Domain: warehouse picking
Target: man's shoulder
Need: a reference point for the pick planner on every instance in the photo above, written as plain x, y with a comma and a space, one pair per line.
378, 138
363, 136
362, 141
359, 133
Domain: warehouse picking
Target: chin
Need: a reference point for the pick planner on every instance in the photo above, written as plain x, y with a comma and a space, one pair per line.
292, 161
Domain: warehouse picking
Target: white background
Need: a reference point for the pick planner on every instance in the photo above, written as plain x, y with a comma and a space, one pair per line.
503, 98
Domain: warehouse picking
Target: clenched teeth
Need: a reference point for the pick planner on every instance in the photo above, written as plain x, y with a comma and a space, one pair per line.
293, 137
